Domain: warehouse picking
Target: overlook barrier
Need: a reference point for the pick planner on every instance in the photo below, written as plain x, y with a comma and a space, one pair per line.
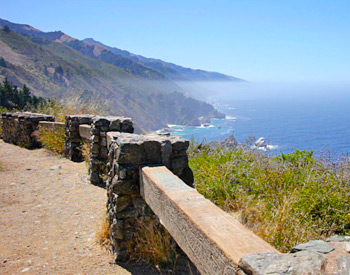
19, 128
148, 179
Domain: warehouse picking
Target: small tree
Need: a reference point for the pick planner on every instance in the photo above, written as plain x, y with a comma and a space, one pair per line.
6, 29
2, 62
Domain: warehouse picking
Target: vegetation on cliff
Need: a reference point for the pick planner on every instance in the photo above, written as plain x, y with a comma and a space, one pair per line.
54, 65
286, 200
52, 139
11, 97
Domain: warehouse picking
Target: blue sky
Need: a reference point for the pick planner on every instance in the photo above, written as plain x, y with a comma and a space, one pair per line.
301, 41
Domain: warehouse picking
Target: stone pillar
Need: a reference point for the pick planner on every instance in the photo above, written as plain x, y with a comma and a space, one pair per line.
73, 142
98, 144
19, 128
125, 206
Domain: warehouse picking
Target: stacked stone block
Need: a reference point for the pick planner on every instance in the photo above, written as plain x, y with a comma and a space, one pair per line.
19, 128
98, 143
125, 206
314, 257
73, 142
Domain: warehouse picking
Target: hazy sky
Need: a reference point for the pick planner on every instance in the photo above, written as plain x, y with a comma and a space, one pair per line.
284, 40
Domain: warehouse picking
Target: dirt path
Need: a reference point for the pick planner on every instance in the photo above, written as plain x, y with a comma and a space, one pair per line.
49, 214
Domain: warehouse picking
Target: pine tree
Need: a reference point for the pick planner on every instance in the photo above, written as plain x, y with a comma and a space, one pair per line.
6, 29
13, 98
25, 97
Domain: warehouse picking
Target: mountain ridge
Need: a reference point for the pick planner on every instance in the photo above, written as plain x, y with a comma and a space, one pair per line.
175, 69
171, 70
56, 65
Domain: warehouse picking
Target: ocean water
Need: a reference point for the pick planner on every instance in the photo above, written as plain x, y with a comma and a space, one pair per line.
289, 117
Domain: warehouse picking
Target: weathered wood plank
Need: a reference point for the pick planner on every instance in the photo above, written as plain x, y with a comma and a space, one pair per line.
84, 131
211, 238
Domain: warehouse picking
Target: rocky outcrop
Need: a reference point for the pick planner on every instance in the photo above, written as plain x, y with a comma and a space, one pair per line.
315, 257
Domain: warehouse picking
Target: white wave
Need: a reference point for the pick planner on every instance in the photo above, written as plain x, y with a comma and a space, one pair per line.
180, 129
206, 126
161, 131
222, 105
175, 125
266, 148
272, 147
231, 117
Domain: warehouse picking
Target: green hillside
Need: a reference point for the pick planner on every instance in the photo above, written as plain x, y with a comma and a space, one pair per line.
54, 70
172, 71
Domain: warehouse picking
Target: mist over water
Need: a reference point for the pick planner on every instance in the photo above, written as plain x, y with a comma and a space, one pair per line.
289, 115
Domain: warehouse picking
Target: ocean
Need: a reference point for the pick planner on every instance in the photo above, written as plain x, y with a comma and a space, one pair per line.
289, 117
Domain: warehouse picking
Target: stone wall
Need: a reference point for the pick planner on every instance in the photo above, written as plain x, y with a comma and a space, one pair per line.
125, 206
100, 126
98, 144
73, 142
19, 128
0, 127
315, 257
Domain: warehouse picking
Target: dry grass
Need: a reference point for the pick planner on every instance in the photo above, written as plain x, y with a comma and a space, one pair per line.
103, 231
85, 150
153, 244
283, 228
52, 138
72, 106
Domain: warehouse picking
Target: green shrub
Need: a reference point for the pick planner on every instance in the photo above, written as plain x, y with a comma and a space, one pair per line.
286, 200
52, 138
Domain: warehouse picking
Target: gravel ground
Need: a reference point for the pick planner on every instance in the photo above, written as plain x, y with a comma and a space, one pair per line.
49, 214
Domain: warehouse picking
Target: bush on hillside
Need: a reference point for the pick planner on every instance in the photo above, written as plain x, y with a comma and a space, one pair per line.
52, 139
71, 106
286, 200
21, 99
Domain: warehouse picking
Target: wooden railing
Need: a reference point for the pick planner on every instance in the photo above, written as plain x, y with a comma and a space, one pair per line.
212, 239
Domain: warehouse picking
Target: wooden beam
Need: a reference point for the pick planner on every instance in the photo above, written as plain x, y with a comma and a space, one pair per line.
212, 239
